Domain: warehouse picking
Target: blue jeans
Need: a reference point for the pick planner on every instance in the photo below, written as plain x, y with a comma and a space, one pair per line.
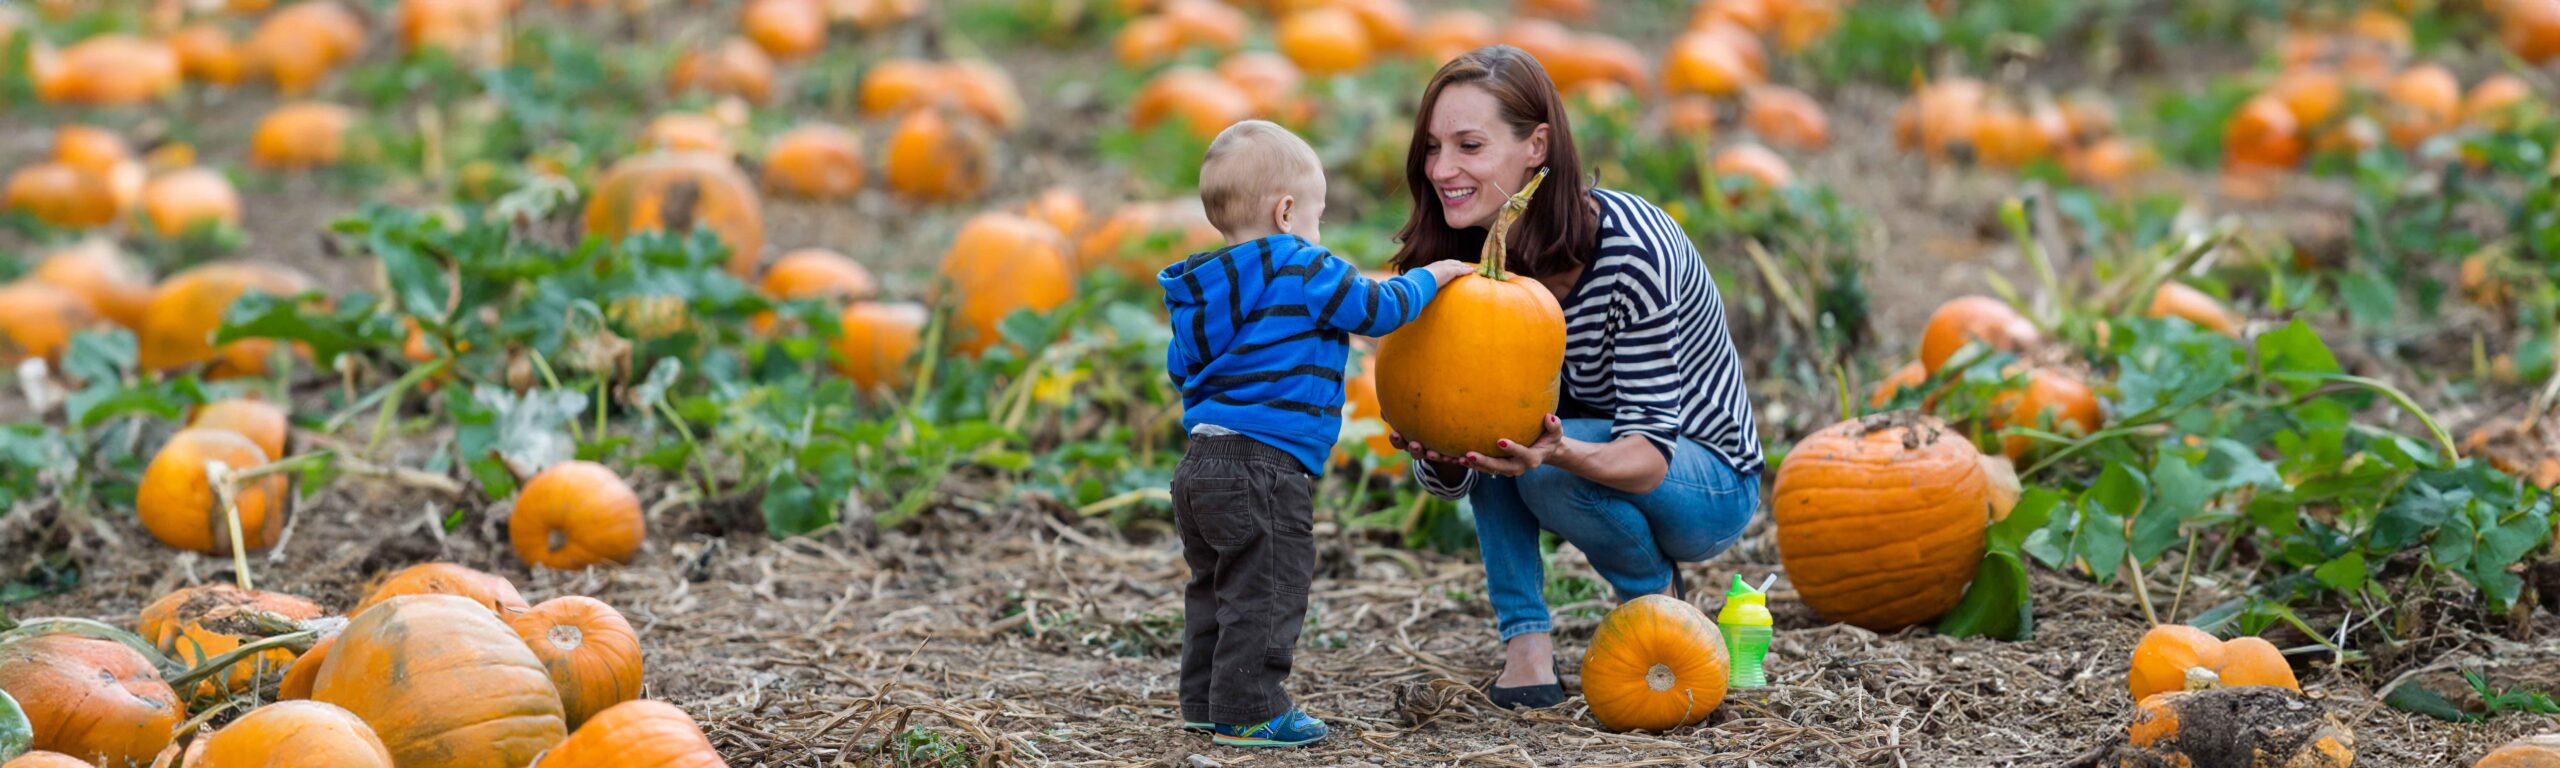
1633, 540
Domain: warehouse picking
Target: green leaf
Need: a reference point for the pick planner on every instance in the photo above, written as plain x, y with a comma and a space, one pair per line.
2102, 539
2177, 495
2414, 699
17, 736
1997, 604
260, 316
100, 356
2034, 510
2346, 573
2369, 297
2295, 348
793, 508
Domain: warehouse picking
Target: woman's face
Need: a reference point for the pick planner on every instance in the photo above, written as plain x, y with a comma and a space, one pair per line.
1474, 160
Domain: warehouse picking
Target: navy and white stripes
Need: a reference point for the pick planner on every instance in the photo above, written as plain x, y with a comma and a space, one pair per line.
1646, 345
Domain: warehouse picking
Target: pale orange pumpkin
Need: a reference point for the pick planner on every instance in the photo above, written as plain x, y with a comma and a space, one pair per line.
1479, 364
1975, 319
680, 192
818, 273
443, 682
2493, 101
207, 54
109, 70
1147, 41
789, 30
816, 161
1205, 102
472, 31
687, 132
1754, 163
92, 699
878, 340
2419, 103
1141, 238
62, 195
42, 759
306, 134
1061, 207
96, 270
591, 653
2175, 299
180, 201
2051, 400
1208, 23
298, 45
1656, 663
2170, 653
1786, 116
180, 508
734, 67
294, 734
937, 156
999, 264
2530, 752
1447, 34
38, 320
575, 515
1882, 519
179, 322
636, 734
489, 590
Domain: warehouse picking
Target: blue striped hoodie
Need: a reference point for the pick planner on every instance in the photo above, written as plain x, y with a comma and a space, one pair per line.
1261, 333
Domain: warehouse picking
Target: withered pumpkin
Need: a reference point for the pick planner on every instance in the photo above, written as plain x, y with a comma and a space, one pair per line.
1479, 364
1881, 520
93, 699
1656, 663
575, 515
185, 310
679, 192
2248, 726
2170, 654
294, 734
636, 734
999, 264
196, 624
443, 682
178, 503
591, 653
489, 590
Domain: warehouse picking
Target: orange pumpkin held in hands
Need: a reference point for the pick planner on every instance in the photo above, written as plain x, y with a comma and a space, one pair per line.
574, 515
38, 320
179, 323
96, 270
1975, 319
680, 192
636, 734
590, 651
999, 264
1656, 663
1479, 364
180, 508
92, 699
195, 624
2170, 653
878, 340
937, 156
489, 590
180, 201
443, 682
1881, 519
816, 161
294, 734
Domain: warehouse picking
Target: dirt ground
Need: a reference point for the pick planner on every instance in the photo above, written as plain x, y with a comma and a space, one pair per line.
1025, 636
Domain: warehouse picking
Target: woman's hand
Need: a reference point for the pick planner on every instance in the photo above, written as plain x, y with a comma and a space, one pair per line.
1523, 457
1419, 451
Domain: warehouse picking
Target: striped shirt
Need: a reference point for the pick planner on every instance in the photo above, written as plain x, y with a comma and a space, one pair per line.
1646, 346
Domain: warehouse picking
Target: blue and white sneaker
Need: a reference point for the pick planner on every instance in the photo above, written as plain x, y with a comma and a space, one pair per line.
1203, 726
1290, 729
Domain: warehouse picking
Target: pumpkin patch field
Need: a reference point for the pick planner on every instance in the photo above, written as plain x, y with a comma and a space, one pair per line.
783, 382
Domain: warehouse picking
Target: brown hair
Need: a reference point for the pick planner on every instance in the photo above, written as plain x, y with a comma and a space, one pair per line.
1249, 167
1560, 224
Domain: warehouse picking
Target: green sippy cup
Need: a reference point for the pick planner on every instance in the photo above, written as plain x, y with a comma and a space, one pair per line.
1745, 625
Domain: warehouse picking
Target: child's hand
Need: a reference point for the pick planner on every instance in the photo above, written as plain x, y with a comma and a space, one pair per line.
1446, 270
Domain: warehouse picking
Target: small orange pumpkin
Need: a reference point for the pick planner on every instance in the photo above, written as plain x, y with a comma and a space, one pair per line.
2050, 399
878, 340
1147, 41
180, 201
96, 270
297, 46
1203, 101
2110, 161
294, 734
262, 422
92, 699
62, 195
735, 67
789, 30
1707, 63
489, 590
1001, 263
2531, 30
2530, 752
1787, 116
38, 320
178, 504
1447, 34
2419, 103
468, 692
1325, 41
636, 734
195, 624
2263, 136
207, 54
185, 310
110, 70
296, 685
985, 91
818, 273
2175, 299
2493, 101
2169, 653
1209, 23
306, 134
1882, 519
574, 515
1269, 81
816, 161
936, 156
1975, 319
687, 132
471, 30
1141, 238
680, 191
590, 651
1754, 163
1656, 663
42, 759
1911, 374
1061, 207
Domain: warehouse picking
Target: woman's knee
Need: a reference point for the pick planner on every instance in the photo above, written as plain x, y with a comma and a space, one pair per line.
1707, 525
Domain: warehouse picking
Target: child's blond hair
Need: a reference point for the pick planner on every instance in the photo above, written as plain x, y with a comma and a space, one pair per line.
1249, 167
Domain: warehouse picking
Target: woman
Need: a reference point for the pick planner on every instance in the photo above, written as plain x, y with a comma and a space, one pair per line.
1653, 460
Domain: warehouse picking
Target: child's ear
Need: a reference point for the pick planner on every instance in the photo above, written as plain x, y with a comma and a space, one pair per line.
1283, 214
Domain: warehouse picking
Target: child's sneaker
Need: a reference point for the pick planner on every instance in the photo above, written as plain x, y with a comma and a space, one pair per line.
1290, 729
1202, 727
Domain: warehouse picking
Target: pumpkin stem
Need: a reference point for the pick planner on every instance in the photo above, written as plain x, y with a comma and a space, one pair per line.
298, 641
2201, 679
1490, 263
568, 637
1660, 677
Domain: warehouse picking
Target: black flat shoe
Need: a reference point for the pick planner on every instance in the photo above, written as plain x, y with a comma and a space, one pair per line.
1529, 696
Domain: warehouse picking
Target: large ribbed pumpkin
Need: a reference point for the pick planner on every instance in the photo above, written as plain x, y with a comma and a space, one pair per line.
294, 734
636, 734
1881, 519
93, 699
444, 683
489, 590
680, 191
1481, 362
1656, 663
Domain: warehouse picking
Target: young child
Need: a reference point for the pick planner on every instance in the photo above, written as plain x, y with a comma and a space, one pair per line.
1261, 332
